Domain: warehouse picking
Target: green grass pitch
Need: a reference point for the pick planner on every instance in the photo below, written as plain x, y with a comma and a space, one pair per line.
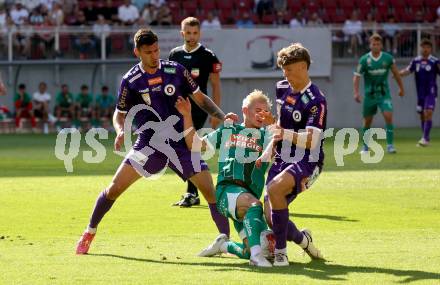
376, 223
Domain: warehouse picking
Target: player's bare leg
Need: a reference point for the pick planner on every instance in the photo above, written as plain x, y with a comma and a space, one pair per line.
124, 177
368, 121
203, 181
388, 117
283, 228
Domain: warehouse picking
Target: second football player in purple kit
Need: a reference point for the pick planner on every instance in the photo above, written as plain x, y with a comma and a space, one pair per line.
302, 111
148, 94
426, 67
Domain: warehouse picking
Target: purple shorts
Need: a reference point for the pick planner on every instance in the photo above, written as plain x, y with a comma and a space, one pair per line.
148, 161
299, 170
426, 103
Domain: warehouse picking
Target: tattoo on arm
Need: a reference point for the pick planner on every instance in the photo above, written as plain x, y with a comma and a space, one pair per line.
208, 106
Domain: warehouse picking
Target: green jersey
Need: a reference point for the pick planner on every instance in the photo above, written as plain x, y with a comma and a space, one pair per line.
239, 149
26, 98
105, 101
64, 100
375, 72
84, 100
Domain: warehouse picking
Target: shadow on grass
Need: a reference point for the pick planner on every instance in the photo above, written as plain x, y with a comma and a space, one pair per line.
325, 217
314, 269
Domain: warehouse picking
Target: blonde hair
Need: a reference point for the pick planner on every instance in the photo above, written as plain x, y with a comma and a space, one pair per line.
256, 96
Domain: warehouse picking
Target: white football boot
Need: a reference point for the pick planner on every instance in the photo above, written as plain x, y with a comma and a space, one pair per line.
214, 248
310, 248
280, 258
422, 142
259, 260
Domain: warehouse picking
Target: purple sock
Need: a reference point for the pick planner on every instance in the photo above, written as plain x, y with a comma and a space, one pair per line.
293, 234
427, 129
422, 124
102, 206
221, 221
280, 219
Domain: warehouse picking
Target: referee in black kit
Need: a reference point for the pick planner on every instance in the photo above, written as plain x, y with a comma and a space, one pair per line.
203, 65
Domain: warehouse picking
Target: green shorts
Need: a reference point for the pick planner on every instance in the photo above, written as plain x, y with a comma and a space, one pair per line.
226, 196
370, 105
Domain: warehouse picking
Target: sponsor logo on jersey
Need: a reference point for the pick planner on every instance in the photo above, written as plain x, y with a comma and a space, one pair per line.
155, 80
296, 115
147, 99
428, 67
305, 99
156, 89
380, 71
170, 70
313, 110
217, 67
190, 80
170, 89
290, 100
123, 96
187, 56
321, 116
146, 90
195, 72
369, 61
238, 140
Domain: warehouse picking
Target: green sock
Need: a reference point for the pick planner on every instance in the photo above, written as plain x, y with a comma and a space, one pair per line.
390, 133
238, 249
254, 225
364, 130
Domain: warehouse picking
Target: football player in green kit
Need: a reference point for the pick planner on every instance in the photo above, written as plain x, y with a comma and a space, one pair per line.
239, 183
375, 67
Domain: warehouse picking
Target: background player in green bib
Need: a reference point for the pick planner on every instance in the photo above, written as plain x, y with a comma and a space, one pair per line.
375, 67
239, 183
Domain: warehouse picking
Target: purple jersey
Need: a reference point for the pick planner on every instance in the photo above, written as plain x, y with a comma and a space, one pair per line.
426, 71
158, 91
299, 111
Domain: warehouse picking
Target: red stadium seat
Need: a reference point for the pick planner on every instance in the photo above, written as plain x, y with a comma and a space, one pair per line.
64, 42
415, 5
398, 4
244, 5
329, 5
268, 19
339, 17
312, 7
294, 6
117, 42
382, 7
190, 8
174, 5
225, 5
346, 4
364, 6
207, 5
432, 4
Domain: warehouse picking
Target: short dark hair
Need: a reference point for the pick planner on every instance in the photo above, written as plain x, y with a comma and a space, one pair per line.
83, 87
22, 86
144, 37
104, 88
426, 42
190, 21
375, 37
293, 54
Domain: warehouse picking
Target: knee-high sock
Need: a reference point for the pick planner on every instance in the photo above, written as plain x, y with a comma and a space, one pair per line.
280, 220
365, 142
422, 125
390, 133
220, 221
237, 249
254, 225
102, 206
427, 129
191, 188
293, 234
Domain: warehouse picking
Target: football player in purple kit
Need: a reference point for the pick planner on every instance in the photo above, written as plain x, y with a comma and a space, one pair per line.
299, 157
426, 67
151, 89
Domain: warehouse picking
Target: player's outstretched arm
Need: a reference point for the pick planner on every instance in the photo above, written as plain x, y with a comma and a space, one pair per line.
192, 139
207, 105
398, 79
404, 72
